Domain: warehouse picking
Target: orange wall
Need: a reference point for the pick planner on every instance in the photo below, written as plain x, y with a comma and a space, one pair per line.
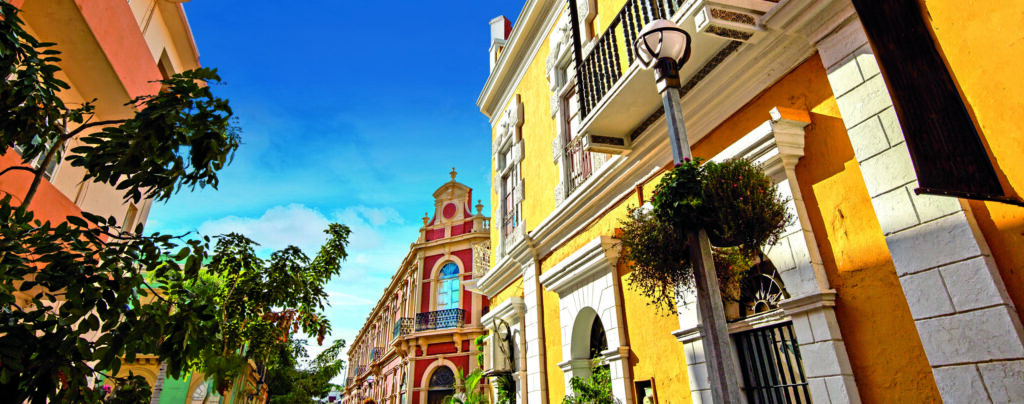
113, 25
984, 49
888, 360
49, 204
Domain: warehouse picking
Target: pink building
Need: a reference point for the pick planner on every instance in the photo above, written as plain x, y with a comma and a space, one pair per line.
421, 331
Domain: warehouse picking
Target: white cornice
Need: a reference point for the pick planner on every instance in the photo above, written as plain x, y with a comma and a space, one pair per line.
505, 311
507, 269
598, 256
534, 22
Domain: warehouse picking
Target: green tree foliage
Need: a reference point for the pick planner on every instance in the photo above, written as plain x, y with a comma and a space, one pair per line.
596, 389
290, 382
82, 295
469, 392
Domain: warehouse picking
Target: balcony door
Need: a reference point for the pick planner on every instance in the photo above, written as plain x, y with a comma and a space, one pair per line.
448, 287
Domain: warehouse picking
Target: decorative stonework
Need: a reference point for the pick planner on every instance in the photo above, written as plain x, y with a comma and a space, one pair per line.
508, 127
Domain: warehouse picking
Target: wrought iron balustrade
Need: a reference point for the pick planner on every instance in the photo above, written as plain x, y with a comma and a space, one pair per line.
376, 354
440, 320
403, 326
580, 165
361, 369
349, 381
602, 67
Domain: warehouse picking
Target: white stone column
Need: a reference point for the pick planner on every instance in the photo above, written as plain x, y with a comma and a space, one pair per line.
536, 374
812, 303
967, 324
689, 336
620, 373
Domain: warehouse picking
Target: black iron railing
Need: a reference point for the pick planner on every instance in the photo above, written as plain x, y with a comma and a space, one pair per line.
376, 354
440, 320
403, 326
349, 380
604, 65
361, 369
772, 369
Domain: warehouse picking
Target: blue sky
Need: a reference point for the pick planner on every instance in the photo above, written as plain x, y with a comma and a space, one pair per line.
351, 112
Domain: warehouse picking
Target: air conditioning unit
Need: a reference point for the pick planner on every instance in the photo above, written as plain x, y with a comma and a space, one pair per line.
495, 358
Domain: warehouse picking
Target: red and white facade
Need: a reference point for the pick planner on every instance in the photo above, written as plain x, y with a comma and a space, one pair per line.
421, 331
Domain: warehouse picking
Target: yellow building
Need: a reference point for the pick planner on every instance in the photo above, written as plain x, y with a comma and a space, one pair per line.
877, 293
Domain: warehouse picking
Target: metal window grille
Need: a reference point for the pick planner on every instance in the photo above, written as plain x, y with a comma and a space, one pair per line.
772, 368
440, 320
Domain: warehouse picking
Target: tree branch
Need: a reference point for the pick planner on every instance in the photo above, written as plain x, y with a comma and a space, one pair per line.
23, 168
85, 126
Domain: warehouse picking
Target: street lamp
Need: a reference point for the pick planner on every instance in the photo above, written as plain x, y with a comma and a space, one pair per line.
665, 47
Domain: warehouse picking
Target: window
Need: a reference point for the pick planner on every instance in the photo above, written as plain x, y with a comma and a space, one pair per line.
129, 218
448, 287
51, 168
510, 219
577, 159
761, 290
771, 365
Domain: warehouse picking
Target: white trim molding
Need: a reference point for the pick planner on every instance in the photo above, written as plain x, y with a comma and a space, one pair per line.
586, 288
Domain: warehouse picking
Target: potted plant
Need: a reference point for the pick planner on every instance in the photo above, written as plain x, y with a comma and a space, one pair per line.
734, 202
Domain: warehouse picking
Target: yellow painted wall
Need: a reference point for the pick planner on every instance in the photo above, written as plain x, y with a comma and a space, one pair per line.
553, 347
984, 48
655, 352
870, 306
513, 290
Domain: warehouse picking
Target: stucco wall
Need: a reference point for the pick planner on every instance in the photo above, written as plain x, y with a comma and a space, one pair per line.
983, 45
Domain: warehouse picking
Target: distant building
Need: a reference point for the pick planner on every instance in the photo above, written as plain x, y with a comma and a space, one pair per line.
421, 332
113, 51
893, 127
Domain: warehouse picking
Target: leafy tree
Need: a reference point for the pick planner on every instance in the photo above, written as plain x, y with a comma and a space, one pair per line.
80, 296
288, 383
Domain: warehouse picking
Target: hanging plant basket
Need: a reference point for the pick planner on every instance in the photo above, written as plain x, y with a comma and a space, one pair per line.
733, 201
661, 265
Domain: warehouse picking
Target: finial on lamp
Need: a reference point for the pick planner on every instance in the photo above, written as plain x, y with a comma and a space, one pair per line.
453, 174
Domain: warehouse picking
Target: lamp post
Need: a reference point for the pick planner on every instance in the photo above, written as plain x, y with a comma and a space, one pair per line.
665, 47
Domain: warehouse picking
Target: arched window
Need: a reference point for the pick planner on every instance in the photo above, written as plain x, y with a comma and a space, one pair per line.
761, 290
442, 384
448, 288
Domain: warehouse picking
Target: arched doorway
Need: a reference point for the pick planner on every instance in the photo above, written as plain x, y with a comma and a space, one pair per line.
442, 384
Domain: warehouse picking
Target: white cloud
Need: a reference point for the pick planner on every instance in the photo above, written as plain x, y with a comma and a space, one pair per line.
279, 227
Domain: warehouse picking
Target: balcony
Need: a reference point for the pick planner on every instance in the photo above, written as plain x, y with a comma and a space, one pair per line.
361, 369
618, 99
440, 320
376, 354
403, 327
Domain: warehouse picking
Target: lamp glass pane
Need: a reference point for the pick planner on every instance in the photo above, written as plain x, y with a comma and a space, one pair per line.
673, 44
